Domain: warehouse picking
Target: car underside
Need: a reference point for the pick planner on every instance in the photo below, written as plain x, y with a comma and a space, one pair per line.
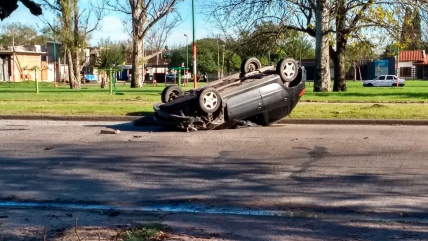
258, 95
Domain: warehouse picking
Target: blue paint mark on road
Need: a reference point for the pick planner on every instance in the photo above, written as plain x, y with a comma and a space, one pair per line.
155, 208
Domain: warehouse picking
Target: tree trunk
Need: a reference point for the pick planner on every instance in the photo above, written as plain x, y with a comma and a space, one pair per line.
339, 64
72, 78
355, 72
76, 47
103, 81
322, 61
137, 55
76, 69
359, 69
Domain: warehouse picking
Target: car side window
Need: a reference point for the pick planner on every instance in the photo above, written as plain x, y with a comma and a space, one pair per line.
382, 77
390, 77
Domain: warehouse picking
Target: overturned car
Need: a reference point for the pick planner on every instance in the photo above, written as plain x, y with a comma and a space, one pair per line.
260, 95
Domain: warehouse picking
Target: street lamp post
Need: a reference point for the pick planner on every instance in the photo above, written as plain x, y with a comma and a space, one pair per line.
194, 45
222, 67
144, 76
55, 61
187, 55
218, 61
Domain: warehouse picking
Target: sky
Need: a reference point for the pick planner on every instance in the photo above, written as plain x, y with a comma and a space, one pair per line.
112, 27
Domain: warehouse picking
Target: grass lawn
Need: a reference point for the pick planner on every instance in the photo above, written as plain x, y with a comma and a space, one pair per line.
413, 91
357, 102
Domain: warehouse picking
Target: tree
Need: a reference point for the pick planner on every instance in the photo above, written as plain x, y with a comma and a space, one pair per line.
72, 28
156, 37
259, 44
207, 56
322, 62
144, 15
350, 18
109, 55
359, 53
7, 7
21, 34
411, 33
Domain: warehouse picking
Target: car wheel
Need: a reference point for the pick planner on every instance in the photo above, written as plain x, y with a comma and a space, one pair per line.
170, 93
250, 65
370, 85
287, 69
209, 100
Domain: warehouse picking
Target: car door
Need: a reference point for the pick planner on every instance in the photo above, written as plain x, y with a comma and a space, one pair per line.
273, 96
276, 102
380, 81
244, 105
390, 80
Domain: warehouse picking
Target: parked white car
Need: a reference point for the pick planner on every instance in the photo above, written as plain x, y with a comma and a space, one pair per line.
384, 81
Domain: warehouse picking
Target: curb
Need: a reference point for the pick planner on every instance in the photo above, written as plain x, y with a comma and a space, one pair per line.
70, 118
149, 120
353, 122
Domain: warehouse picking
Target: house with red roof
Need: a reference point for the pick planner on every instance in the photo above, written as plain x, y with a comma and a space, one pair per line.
413, 64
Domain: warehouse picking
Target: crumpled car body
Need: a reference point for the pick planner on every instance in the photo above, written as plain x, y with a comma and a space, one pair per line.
260, 97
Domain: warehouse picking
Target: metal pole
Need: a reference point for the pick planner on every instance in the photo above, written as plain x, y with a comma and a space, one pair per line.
13, 63
218, 61
398, 60
37, 82
55, 61
222, 67
194, 45
144, 76
187, 57
111, 82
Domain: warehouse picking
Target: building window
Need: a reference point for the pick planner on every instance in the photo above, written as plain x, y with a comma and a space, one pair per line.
406, 72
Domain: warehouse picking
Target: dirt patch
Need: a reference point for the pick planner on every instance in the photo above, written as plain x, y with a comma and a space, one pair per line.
377, 106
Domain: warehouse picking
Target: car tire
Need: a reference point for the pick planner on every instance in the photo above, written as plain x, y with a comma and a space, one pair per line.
370, 85
209, 100
250, 65
287, 69
170, 93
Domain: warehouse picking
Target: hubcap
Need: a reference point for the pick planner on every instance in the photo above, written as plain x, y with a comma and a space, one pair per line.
252, 67
290, 69
173, 95
210, 100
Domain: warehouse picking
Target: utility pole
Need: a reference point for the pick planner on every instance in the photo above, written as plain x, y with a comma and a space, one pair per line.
55, 62
194, 45
222, 67
187, 55
218, 61
144, 68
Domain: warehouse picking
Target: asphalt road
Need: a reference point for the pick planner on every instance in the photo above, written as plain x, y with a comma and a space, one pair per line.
360, 173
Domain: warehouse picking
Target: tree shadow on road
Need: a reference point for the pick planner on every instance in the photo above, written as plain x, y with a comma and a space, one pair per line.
152, 173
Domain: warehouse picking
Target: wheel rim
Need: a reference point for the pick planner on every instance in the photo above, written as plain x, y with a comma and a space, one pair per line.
252, 67
174, 94
289, 69
210, 100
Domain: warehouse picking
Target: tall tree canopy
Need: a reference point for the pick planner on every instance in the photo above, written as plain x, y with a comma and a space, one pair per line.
22, 34
144, 16
348, 19
411, 33
72, 27
210, 56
